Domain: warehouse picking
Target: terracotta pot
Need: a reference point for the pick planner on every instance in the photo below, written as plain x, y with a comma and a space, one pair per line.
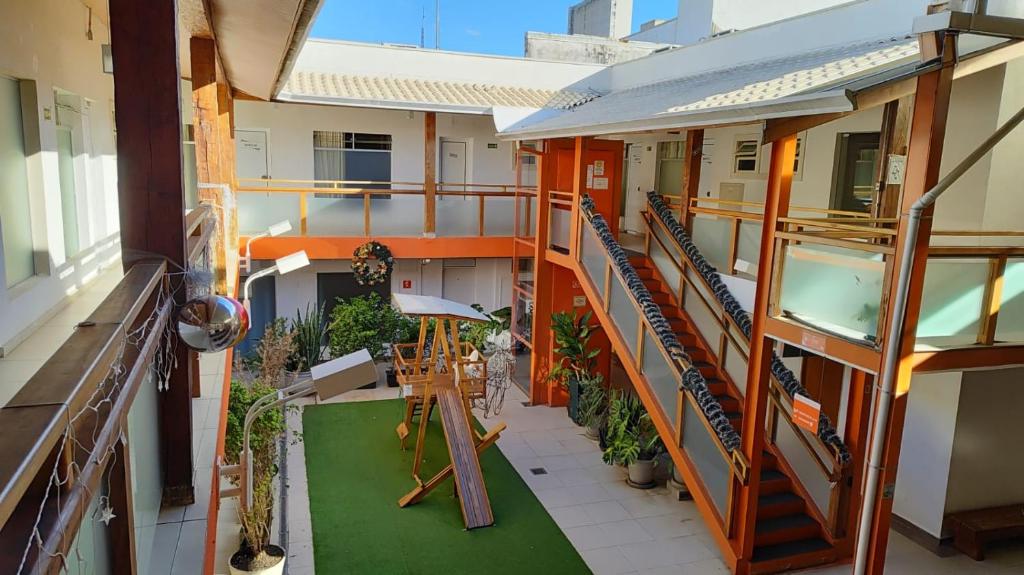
237, 564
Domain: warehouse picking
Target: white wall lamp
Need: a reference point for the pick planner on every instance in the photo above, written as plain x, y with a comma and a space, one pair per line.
326, 380
282, 265
278, 229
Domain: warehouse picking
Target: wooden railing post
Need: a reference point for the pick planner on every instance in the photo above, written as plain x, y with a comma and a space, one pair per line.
430, 173
693, 151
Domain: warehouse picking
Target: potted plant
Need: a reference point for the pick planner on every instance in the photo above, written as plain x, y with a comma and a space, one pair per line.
593, 405
577, 362
256, 555
310, 331
364, 322
633, 440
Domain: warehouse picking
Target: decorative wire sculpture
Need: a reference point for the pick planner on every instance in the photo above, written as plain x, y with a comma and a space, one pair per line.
500, 367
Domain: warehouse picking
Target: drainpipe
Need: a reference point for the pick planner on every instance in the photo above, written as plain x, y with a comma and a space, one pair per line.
892, 344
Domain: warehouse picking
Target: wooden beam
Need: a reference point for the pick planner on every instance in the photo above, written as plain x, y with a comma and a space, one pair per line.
895, 132
693, 153
777, 128
973, 357
122, 527
924, 158
229, 216
430, 173
332, 248
151, 194
780, 179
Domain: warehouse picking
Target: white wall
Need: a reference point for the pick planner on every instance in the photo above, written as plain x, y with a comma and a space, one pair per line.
606, 18
45, 41
491, 279
928, 433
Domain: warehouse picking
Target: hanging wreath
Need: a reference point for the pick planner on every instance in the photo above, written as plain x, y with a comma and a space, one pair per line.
372, 272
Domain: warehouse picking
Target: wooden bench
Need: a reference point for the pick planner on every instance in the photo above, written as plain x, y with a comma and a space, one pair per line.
972, 530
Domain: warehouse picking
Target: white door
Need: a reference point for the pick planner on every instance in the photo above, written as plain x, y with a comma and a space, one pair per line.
639, 173
459, 284
453, 164
251, 155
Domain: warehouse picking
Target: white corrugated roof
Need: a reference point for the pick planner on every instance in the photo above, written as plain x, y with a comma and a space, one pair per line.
396, 91
805, 83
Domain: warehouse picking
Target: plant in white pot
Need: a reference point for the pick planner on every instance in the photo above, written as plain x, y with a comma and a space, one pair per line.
632, 439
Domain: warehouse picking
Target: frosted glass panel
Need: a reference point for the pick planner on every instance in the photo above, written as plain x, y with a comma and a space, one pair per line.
458, 216
527, 206
257, 212
712, 236
703, 452
748, 248
90, 552
666, 266
560, 220
835, 289
736, 366
660, 375
802, 462
952, 301
593, 255
147, 482
499, 214
1010, 324
401, 216
68, 194
331, 216
15, 217
623, 313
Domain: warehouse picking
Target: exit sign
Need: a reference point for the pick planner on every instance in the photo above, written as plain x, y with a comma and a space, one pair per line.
406, 284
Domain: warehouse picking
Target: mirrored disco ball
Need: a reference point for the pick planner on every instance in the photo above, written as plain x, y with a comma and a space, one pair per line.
212, 323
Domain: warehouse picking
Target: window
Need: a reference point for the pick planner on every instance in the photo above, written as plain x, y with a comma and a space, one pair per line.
15, 215
853, 183
745, 156
351, 156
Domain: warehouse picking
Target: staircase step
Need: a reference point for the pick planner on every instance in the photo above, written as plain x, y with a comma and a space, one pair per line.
785, 528
644, 273
706, 369
774, 481
789, 549
728, 403
654, 285
661, 298
778, 504
716, 386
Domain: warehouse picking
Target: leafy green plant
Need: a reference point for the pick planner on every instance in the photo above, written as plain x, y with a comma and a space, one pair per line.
631, 433
572, 334
364, 322
593, 401
310, 330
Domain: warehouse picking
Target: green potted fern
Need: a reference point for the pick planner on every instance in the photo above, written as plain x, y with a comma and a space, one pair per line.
593, 405
577, 361
310, 329
632, 439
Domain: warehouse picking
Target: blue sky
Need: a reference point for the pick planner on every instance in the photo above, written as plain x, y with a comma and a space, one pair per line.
466, 25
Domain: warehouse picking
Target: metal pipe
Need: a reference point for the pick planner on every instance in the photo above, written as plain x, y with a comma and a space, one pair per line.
892, 344
247, 289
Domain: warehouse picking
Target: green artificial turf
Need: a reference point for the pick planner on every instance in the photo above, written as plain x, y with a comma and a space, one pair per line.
357, 473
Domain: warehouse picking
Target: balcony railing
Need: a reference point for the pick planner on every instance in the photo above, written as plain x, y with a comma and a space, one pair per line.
821, 466
348, 208
833, 268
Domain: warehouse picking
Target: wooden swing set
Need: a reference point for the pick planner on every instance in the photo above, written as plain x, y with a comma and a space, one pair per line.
449, 375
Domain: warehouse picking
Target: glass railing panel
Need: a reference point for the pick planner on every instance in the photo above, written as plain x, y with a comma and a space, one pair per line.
257, 212
592, 255
523, 320
524, 273
666, 267
835, 289
711, 466
802, 462
399, 215
660, 375
748, 249
736, 366
458, 216
624, 314
526, 206
499, 214
704, 319
954, 290
668, 241
333, 215
1010, 322
146, 469
713, 236
560, 221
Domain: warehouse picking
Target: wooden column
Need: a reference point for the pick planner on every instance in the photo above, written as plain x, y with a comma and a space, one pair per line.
893, 142
693, 152
543, 277
226, 134
780, 178
430, 173
151, 195
122, 526
924, 158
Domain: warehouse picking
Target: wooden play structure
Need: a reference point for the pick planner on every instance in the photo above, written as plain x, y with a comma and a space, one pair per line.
450, 375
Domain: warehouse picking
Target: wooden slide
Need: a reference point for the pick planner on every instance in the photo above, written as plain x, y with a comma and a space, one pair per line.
469, 480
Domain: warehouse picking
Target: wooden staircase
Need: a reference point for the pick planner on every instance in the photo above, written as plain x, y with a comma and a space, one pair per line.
787, 535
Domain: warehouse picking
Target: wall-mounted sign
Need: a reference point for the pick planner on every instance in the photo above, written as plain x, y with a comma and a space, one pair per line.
600, 184
406, 284
812, 341
492, 146
806, 412
897, 169
590, 176
599, 168
579, 301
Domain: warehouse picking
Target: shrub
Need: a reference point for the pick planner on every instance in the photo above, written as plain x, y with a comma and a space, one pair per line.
363, 322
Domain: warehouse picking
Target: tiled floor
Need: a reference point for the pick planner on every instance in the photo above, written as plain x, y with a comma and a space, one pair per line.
616, 529
20, 363
181, 531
